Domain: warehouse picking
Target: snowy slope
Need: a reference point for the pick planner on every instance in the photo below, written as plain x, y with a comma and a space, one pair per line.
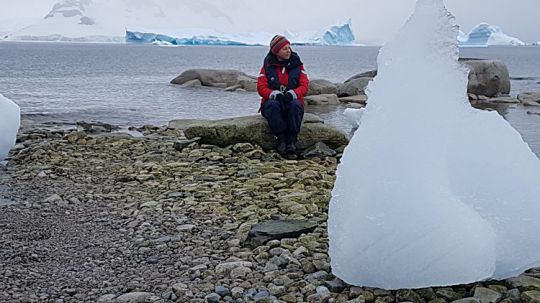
485, 34
102, 20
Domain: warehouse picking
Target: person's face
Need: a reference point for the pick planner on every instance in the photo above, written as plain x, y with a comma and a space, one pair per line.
284, 53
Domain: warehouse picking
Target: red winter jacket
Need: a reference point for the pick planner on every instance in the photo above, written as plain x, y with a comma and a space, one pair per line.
283, 76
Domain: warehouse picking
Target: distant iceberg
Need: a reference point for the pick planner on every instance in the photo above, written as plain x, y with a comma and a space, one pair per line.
336, 35
485, 34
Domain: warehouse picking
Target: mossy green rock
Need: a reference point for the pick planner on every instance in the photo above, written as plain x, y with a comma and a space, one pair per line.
255, 130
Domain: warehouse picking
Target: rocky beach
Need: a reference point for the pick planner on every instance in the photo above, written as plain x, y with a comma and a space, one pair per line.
95, 216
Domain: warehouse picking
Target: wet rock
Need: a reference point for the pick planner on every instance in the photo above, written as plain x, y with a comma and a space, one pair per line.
530, 98
486, 295
336, 285
408, 295
320, 150
358, 100
179, 145
97, 127
222, 291
212, 298
531, 296
448, 294
524, 283
278, 229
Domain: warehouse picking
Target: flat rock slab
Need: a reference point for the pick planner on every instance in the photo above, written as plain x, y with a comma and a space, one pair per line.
361, 99
530, 98
322, 99
279, 229
254, 129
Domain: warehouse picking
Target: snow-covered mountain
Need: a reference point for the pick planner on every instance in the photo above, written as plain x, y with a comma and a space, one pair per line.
485, 34
166, 21
106, 21
336, 35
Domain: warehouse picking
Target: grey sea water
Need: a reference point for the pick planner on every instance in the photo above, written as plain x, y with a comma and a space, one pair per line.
128, 85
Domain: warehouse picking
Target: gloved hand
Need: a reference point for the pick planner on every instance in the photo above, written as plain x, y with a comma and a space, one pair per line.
290, 95
280, 97
276, 95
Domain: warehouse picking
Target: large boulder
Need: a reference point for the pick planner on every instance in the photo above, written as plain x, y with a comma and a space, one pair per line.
254, 129
354, 87
231, 79
487, 77
321, 86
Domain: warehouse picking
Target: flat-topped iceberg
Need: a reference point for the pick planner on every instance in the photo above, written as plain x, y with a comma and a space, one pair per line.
336, 35
10, 120
430, 191
485, 35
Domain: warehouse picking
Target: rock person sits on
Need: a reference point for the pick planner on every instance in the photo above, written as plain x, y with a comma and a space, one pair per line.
282, 84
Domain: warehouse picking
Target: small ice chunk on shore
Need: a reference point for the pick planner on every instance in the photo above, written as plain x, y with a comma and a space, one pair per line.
10, 120
353, 115
430, 191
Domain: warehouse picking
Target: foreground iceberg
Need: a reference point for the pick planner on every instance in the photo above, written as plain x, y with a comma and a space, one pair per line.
430, 191
10, 119
485, 35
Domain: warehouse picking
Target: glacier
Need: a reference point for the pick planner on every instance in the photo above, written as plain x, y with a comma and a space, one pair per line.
338, 35
485, 34
10, 120
430, 191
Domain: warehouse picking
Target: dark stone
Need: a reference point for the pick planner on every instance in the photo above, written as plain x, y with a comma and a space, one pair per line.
222, 291
261, 295
212, 298
279, 229
181, 144
335, 285
407, 295
320, 150
97, 127
448, 294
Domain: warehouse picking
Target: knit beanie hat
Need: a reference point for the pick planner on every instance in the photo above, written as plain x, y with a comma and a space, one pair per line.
277, 43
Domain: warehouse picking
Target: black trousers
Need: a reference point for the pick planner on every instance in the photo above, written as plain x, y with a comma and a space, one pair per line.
284, 119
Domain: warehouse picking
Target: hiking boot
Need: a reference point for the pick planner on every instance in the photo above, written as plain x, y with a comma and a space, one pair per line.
291, 148
292, 156
281, 148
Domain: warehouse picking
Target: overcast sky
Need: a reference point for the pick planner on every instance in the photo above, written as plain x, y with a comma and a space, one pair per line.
373, 20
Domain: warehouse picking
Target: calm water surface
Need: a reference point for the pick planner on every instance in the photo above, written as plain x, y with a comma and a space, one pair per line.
129, 84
